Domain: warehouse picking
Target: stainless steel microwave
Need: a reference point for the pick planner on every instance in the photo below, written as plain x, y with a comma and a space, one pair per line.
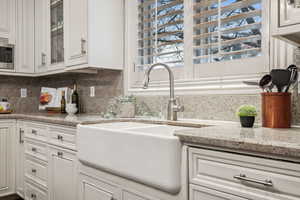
6, 56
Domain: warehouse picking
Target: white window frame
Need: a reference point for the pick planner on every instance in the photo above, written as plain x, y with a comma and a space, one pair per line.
193, 79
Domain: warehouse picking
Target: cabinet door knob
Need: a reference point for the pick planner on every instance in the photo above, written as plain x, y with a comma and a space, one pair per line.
83, 44
33, 196
21, 133
34, 132
33, 171
60, 137
60, 154
33, 149
43, 59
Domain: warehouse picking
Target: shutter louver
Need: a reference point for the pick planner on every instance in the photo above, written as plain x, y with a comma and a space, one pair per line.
226, 30
160, 34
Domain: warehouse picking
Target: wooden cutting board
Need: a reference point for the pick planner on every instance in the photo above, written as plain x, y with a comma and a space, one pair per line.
6, 112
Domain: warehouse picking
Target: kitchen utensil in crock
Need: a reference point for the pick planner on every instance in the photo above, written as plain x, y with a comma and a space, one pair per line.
294, 76
280, 78
265, 82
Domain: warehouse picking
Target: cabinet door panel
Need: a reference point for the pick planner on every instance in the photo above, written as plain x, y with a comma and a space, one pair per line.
7, 159
25, 36
42, 22
289, 13
8, 20
20, 160
202, 193
93, 193
63, 173
75, 13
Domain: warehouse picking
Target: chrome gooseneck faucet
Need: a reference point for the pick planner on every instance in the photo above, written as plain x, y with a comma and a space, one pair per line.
173, 106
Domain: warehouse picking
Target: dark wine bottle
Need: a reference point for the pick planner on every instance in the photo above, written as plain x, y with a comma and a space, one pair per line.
75, 98
63, 102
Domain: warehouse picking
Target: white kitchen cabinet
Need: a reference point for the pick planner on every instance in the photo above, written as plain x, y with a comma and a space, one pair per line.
20, 159
8, 20
212, 173
7, 157
94, 32
76, 17
62, 174
285, 20
41, 34
25, 36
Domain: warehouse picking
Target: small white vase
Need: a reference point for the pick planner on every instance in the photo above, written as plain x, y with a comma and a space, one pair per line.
71, 109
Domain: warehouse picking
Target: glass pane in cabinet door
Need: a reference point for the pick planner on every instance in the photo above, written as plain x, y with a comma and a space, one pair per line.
57, 31
289, 12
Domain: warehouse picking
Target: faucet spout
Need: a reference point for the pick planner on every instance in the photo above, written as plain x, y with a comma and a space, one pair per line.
171, 77
173, 106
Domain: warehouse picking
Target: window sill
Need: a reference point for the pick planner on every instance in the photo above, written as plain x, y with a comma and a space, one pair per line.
224, 85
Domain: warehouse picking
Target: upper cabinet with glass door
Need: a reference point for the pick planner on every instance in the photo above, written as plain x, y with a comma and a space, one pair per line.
79, 34
286, 20
56, 34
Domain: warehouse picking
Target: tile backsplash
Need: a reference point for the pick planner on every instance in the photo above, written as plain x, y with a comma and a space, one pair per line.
108, 84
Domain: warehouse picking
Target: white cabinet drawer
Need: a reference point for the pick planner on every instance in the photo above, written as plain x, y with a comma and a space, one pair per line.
35, 149
36, 171
279, 179
63, 137
36, 131
34, 193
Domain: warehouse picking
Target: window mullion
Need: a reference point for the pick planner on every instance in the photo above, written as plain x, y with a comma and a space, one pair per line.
219, 27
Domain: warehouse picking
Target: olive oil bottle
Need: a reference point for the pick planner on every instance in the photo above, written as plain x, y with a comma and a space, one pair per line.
63, 102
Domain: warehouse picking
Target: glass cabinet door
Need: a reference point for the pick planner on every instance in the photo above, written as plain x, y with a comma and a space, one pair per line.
57, 31
289, 12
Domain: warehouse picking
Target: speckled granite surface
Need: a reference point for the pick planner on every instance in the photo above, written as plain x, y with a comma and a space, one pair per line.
277, 142
280, 142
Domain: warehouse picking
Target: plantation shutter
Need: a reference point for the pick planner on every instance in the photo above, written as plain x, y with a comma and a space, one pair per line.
160, 33
226, 30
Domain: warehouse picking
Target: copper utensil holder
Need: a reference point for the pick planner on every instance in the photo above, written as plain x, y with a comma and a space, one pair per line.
276, 110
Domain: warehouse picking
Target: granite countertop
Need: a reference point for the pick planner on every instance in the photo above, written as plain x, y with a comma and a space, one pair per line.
60, 119
277, 142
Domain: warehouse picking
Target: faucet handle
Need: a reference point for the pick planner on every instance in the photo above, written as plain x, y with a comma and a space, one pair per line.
178, 107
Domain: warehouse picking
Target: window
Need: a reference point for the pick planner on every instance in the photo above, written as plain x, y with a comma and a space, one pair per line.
226, 30
160, 32
203, 41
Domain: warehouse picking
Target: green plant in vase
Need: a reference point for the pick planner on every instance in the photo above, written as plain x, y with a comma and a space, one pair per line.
247, 114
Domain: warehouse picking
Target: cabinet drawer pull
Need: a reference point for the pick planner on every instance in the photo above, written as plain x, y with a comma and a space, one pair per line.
243, 177
33, 171
60, 154
34, 132
33, 196
83, 43
60, 137
33, 149
21, 134
43, 59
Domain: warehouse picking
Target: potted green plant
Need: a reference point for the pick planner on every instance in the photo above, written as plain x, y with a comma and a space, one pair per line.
247, 114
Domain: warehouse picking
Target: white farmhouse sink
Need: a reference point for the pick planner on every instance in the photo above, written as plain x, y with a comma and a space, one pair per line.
146, 153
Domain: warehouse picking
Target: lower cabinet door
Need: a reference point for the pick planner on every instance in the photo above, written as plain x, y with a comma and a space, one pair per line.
203, 193
62, 174
20, 160
34, 193
96, 189
7, 158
